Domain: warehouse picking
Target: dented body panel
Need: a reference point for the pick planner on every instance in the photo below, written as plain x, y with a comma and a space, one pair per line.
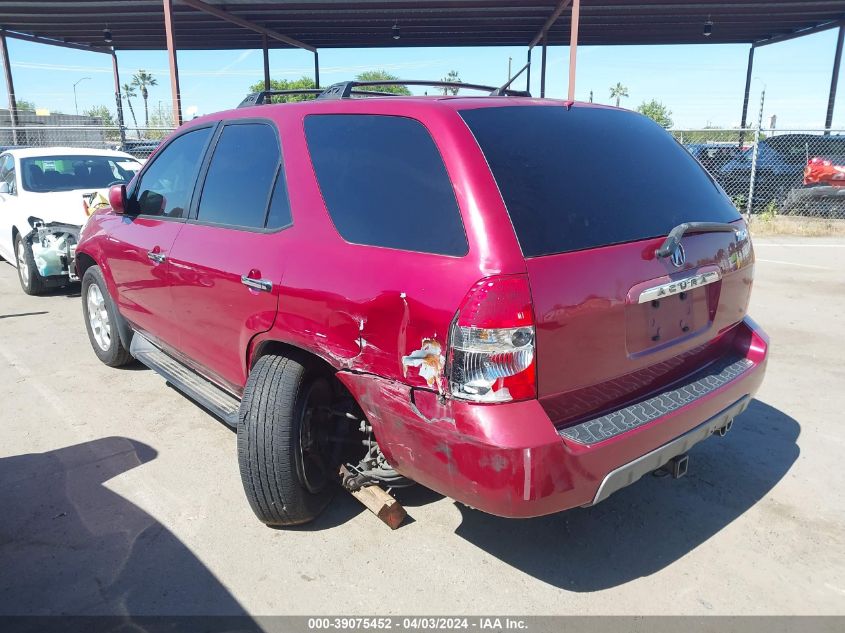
381, 318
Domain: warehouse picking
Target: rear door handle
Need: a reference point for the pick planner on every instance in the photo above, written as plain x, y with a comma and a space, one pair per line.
156, 258
264, 285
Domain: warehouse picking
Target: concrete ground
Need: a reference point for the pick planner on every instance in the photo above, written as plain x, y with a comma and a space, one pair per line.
118, 495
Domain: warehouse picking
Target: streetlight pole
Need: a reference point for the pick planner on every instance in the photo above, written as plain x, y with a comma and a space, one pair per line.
75, 104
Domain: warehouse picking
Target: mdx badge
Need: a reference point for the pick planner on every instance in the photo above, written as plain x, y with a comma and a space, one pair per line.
681, 285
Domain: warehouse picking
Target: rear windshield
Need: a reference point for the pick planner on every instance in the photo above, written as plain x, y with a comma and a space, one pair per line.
65, 173
586, 177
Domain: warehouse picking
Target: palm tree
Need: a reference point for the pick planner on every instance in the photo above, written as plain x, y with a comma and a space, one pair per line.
128, 91
141, 80
618, 91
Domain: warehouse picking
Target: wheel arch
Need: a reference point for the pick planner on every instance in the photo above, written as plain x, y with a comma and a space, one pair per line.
259, 348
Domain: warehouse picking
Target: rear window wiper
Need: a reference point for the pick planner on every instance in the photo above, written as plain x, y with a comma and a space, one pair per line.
674, 238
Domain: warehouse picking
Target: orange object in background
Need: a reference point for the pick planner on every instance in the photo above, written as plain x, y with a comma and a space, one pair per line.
823, 171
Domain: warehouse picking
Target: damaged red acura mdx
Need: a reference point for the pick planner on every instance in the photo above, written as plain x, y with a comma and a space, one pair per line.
523, 304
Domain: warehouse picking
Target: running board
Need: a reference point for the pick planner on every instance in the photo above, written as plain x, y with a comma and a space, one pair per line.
220, 403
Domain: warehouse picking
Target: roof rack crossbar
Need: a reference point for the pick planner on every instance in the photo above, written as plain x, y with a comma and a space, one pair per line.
348, 89
344, 89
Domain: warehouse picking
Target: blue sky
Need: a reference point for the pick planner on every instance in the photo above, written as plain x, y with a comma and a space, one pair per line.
701, 84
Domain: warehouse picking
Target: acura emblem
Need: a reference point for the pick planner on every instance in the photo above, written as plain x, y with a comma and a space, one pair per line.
678, 256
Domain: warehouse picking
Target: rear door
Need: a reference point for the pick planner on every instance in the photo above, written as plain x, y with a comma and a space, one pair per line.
138, 248
592, 192
227, 263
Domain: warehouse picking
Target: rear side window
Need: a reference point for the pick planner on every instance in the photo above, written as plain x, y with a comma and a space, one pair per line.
241, 175
384, 183
165, 187
586, 177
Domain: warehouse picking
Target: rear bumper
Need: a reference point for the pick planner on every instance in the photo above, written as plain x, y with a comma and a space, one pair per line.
509, 460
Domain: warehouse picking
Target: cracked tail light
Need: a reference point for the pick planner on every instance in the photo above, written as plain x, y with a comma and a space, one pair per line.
491, 343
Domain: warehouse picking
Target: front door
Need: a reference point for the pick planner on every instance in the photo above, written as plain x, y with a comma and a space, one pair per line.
139, 244
227, 263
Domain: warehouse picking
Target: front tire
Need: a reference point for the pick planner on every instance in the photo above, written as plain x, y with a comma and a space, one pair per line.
283, 423
28, 276
101, 320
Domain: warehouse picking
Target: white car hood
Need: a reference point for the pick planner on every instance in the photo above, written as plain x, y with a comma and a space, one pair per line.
59, 206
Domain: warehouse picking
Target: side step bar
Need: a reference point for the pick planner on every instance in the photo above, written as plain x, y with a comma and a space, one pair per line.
220, 403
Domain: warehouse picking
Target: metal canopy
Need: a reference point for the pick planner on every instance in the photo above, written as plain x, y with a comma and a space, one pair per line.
139, 24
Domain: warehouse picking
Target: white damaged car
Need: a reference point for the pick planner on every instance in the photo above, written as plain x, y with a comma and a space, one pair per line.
46, 195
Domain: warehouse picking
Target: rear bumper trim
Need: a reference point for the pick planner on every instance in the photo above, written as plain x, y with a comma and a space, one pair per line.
623, 420
629, 473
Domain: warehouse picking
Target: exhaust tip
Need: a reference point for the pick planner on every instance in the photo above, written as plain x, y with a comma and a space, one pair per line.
724, 430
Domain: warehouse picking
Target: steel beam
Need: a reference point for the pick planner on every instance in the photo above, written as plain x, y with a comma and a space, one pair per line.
743, 123
10, 86
528, 73
834, 80
543, 68
174, 65
266, 62
118, 99
573, 47
53, 42
800, 33
316, 69
549, 22
252, 26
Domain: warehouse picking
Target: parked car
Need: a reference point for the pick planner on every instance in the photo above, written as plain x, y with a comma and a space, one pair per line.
780, 165
432, 290
44, 201
714, 155
822, 192
140, 148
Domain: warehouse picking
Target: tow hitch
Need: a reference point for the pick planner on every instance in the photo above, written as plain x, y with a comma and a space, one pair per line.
677, 467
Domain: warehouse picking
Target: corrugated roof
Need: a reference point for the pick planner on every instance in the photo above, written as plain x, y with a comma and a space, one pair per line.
139, 24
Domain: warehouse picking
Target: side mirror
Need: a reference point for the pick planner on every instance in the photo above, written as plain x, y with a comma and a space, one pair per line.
117, 199
5, 187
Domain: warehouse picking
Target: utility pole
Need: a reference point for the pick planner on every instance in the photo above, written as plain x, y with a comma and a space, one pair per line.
510, 59
75, 105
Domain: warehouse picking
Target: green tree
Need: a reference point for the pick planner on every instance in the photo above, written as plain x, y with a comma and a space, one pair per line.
302, 83
142, 80
106, 120
451, 77
618, 91
100, 112
24, 106
127, 91
657, 112
160, 124
383, 75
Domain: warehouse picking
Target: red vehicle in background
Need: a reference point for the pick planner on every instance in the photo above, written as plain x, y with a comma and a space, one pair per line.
432, 290
823, 193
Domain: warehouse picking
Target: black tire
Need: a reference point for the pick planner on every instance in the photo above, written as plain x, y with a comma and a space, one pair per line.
113, 354
31, 282
272, 417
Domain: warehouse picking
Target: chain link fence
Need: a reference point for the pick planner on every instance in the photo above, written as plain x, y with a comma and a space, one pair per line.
140, 142
799, 173
769, 173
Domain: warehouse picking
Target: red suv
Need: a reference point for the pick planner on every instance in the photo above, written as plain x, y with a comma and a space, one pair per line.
434, 290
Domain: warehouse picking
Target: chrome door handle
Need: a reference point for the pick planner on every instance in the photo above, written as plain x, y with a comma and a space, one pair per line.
156, 258
264, 285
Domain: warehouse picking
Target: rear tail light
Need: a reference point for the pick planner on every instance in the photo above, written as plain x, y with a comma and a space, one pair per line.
491, 343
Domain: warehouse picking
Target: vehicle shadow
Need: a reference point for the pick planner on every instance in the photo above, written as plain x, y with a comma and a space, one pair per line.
71, 546
649, 525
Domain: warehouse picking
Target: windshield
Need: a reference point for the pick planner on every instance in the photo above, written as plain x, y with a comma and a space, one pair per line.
43, 174
580, 178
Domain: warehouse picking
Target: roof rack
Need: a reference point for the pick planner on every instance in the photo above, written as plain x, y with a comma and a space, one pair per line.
349, 89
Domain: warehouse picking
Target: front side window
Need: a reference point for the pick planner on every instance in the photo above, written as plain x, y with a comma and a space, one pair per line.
384, 183
241, 175
165, 187
43, 174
